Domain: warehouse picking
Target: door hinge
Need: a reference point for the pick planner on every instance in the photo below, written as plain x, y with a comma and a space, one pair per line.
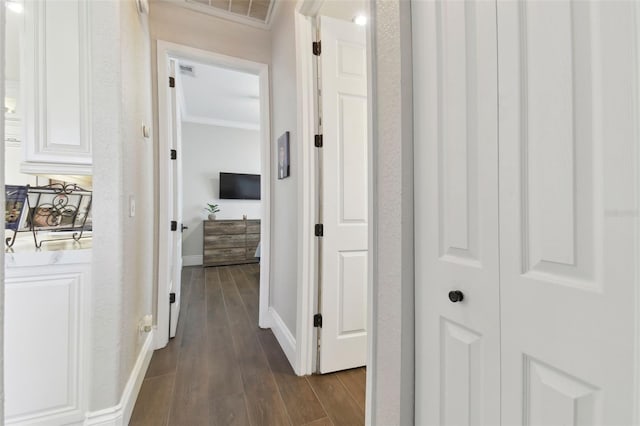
317, 48
318, 141
174, 225
172, 298
317, 320
172, 82
174, 154
319, 231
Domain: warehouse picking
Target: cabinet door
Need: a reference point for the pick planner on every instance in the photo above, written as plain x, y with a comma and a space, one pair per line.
56, 70
569, 197
456, 211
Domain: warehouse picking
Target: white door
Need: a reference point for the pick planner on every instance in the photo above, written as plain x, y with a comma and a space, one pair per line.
343, 299
456, 213
175, 179
552, 338
568, 211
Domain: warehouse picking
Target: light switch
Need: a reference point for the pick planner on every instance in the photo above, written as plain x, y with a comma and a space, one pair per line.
132, 206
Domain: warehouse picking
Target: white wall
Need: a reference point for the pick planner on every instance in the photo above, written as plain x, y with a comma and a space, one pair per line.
392, 347
138, 183
207, 151
2, 36
284, 201
122, 163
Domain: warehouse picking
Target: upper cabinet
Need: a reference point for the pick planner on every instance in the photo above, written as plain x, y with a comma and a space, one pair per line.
55, 81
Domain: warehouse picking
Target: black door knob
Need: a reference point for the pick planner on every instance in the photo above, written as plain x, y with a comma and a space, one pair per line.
456, 296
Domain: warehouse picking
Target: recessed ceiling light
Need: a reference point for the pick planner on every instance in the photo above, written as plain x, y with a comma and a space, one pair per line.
360, 20
15, 6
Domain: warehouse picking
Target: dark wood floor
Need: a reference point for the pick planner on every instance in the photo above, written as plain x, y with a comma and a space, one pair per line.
222, 369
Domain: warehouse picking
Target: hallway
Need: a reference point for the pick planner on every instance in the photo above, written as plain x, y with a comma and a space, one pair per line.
222, 369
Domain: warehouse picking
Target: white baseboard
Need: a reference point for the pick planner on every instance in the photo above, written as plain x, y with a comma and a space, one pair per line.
120, 414
195, 260
284, 336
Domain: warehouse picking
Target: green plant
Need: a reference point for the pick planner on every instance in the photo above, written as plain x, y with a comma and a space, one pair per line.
212, 208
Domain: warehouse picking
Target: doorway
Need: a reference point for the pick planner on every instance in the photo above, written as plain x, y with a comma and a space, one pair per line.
333, 298
203, 125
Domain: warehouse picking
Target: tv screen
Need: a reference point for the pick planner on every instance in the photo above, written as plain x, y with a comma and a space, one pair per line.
236, 186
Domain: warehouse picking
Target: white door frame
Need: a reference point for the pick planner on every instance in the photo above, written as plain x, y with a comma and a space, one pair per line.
166, 50
306, 11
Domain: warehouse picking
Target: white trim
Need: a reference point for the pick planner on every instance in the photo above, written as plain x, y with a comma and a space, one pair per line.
193, 260
636, 390
283, 335
166, 50
120, 414
220, 123
41, 168
233, 17
307, 191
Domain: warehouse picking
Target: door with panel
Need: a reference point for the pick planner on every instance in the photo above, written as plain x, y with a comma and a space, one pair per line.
456, 211
343, 75
175, 202
568, 131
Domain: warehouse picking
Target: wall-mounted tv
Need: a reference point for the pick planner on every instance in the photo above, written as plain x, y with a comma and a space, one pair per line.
238, 186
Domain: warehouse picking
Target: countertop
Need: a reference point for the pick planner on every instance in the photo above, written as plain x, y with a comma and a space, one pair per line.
24, 252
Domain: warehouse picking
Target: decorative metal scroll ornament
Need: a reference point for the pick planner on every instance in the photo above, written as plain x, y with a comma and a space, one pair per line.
55, 208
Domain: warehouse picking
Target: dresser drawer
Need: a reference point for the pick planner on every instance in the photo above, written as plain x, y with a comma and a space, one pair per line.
252, 239
253, 227
224, 241
251, 253
222, 227
224, 255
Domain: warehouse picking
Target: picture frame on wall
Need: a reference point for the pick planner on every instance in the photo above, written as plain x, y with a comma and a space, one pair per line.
283, 156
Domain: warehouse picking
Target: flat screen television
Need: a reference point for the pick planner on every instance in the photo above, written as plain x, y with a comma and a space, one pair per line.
238, 186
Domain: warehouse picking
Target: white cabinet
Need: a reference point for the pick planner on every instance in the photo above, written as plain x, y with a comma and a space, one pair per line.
56, 72
47, 337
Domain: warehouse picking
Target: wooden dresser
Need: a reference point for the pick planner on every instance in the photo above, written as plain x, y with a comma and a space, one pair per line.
230, 242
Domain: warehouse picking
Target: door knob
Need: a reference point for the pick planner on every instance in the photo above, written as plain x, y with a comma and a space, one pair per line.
456, 296
183, 228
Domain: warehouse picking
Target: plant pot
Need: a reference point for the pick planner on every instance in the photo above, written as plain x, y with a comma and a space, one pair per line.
212, 216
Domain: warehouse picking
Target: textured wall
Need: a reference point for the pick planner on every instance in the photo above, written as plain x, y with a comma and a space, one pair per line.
209, 150
393, 319
138, 183
2, 11
120, 103
284, 193
108, 204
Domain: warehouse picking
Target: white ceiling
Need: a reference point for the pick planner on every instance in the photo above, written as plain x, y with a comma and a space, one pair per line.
219, 97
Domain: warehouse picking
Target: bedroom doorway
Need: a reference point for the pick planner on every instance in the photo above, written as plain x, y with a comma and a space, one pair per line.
224, 161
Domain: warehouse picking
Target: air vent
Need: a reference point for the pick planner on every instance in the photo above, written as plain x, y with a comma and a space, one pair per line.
187, 70
250, 12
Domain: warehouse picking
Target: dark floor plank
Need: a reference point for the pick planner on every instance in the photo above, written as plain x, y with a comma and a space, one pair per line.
355, 381
249, 296
341, 408
326, 421
229, 410
216, 311
302, 405
190, 402
152, 406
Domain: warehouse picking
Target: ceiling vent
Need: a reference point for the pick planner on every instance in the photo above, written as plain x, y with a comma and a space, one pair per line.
252, 12
187, 70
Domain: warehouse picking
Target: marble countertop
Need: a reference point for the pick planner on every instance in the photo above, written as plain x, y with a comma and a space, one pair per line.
24, 252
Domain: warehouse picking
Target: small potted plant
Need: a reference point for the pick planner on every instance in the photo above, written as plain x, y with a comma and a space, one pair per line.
212, 209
